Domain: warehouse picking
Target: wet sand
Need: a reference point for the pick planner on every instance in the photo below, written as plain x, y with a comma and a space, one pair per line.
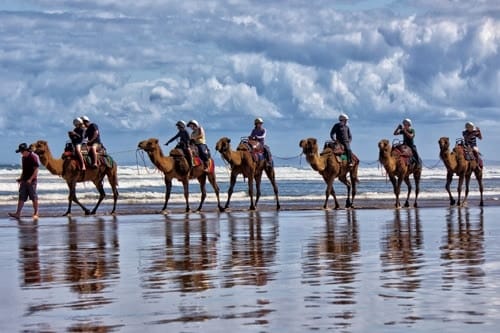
301, 269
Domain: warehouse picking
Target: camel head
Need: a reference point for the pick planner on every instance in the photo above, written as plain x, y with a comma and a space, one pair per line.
309, 146
384, 146
444, 143
40, 147
223, 145
149, 145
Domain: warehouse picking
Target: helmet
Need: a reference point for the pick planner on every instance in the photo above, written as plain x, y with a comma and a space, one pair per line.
77, 121
193, 122
258, 121
181, 124
407, 121
343, 116
84, 118
469, 124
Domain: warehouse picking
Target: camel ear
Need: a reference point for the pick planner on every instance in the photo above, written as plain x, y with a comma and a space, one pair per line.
301, 143
155, 141
228, 140
314, 141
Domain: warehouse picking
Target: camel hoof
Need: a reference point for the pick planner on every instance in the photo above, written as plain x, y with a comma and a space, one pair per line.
87, 212
452, 202
68, 214
481, 203
165, 212
407, 204
252, 208
415, 205
278, 207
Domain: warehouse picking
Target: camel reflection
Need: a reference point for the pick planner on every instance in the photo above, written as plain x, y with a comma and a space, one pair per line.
463, 247
189, 253
402, 251
92, 257
330, 266
252, 248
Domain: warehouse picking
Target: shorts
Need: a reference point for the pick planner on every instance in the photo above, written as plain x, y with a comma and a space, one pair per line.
27, 191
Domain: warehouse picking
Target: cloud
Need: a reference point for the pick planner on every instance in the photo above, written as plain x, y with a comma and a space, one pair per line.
139, 66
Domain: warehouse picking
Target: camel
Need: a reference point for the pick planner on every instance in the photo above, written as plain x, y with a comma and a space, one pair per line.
327, 165
176, 166
69, 169
456, 163
398, 168
242, 162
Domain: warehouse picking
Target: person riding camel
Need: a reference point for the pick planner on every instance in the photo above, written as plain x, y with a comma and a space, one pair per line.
183, 144
198, 139
341, 133
76, 136
259, 134
470, 134
408, 133
93, 140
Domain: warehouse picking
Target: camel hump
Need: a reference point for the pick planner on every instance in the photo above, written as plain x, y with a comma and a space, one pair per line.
402, 150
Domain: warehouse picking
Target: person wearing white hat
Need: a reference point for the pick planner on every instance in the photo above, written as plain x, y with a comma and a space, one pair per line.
341, 133
93, 136
76, 136
470, 134
408, 133
198, 138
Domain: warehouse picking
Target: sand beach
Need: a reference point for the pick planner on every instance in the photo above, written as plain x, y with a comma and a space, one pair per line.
372, 269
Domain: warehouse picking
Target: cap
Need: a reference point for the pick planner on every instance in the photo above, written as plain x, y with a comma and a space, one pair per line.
22, 147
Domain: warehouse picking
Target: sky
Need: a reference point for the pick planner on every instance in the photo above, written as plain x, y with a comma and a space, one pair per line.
136, 67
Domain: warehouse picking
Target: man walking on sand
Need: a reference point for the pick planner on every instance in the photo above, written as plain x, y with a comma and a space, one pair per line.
27, 181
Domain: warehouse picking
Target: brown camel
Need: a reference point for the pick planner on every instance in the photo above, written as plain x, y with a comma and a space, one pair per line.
399, 168
69, 169
176, 166
242, 162
330, 168
456, 163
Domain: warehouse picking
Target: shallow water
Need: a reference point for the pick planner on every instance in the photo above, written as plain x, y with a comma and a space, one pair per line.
294, 271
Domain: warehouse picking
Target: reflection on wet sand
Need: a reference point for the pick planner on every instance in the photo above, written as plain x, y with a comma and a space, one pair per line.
251, 249
91, 262
462, 249
401, 258
331, 261
183, 263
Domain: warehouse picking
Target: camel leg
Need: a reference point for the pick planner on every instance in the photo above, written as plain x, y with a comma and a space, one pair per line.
467, 183
459, 189
354, 180
258, 179
330, 190
272, 178
168, 189
479, 177
72, 198
203, 189
213, 182
348, 185
250, 192
232, 182
113, 182
416, 177
449, 178
408, 185
102, 195
396, 185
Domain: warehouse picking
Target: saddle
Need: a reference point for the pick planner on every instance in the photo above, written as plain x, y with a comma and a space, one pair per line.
193, 151
254, 147
339, 151
402, 152
102, 155
468, 152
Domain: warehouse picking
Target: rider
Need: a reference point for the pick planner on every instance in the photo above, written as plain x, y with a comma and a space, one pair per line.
94, 139
259, 134
183, 136
408, 133
198, 138
342, 133
471, 133
76, 136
